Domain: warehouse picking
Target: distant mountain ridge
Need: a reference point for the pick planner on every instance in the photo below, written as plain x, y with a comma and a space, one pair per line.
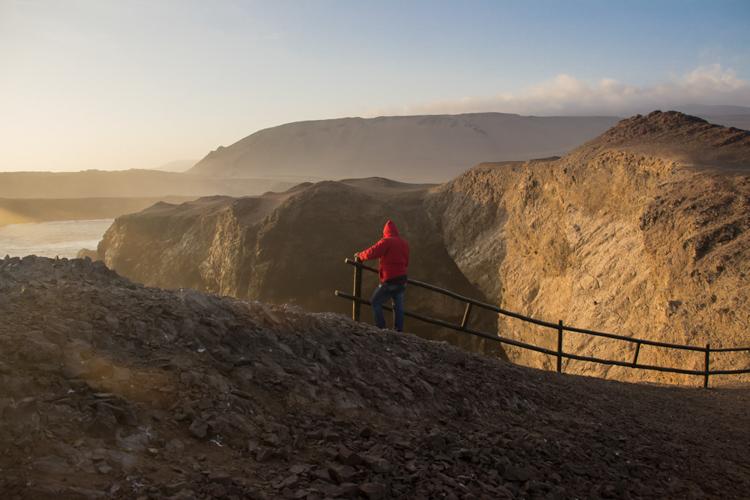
421, 148
428, 148
176, 165
127, 183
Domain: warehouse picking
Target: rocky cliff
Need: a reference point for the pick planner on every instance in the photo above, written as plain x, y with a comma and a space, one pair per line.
109, 389
643, 231
289, 248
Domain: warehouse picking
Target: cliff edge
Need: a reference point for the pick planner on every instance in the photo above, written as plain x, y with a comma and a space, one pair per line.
289, 247
643, 231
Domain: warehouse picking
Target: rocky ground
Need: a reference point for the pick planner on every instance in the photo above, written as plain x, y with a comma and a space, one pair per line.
675, 135
109, 389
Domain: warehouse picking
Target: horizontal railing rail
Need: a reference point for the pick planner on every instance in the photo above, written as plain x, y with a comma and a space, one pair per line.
560, 327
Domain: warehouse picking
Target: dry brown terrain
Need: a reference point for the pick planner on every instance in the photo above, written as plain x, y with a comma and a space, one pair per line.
643, 232
112, 390
289, 247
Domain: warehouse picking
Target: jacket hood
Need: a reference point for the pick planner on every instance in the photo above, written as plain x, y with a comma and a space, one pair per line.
389, 229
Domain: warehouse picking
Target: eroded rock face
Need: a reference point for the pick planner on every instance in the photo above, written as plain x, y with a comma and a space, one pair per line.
289, 248
644, 232
109, 389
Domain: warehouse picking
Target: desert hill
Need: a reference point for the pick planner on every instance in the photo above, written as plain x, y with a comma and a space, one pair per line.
287, 247
432, 148
123, 391
630, 233
688, 139
126, 184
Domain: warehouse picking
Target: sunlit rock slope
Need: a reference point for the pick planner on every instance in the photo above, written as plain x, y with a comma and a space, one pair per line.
644, 231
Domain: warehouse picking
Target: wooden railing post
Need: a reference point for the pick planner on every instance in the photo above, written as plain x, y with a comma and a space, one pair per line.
559, 346
357, 290
637, 350
559, 354
465, 319
707, 366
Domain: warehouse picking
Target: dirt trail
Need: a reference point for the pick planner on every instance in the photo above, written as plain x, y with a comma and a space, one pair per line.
113, 390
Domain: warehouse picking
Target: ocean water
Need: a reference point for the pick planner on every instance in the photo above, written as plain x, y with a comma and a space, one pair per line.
51, 239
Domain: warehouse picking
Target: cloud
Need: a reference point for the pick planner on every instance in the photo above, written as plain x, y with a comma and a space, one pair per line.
565, 94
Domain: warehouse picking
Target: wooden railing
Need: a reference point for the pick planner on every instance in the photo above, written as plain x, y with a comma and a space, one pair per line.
559, 327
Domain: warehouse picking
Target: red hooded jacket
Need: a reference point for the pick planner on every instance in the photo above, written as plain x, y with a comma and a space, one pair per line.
393, 252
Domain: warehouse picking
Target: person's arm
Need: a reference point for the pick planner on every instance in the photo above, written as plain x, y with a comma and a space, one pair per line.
374, 252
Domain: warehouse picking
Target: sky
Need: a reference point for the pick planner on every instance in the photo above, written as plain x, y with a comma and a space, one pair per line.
114, 85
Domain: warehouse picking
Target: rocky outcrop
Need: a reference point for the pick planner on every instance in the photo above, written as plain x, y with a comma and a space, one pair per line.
431, 148
688, 139
644, 232
87, 253
289, 248
109, 389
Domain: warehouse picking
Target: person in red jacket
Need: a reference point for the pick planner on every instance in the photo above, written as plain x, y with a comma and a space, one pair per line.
393, 252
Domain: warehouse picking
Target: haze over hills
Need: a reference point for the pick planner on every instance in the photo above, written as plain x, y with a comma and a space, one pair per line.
176, 165
431, 148
27, 197
26, 210
126, 183
629, 233
435, 147
729, 116
428, 148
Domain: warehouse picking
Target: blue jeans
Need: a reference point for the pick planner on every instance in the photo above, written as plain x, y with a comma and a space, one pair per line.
382, 293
